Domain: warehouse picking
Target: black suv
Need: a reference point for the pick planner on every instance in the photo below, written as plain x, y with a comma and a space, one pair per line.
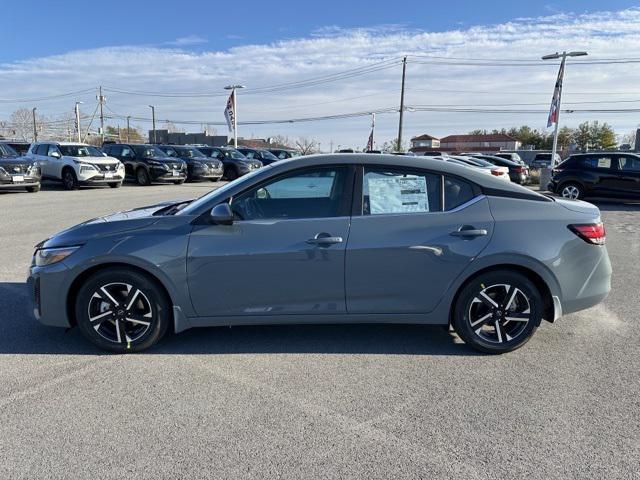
284, 153
613, 174
16, 172
235, 163
199, 166
265, 156
147, 163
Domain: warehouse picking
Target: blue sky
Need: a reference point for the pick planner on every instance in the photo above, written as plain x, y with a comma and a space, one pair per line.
55, 27
163, 53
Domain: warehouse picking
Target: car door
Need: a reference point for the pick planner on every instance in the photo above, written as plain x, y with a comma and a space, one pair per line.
628, 174
284, 253
603, 176
40, 154
405, 248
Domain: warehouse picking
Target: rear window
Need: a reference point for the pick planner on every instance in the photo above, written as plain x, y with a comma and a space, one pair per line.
629, 163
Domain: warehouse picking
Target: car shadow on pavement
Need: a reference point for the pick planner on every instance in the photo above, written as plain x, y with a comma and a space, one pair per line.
20, 333
616, 205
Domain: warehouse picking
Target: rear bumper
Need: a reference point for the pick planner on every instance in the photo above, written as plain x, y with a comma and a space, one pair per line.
595, 287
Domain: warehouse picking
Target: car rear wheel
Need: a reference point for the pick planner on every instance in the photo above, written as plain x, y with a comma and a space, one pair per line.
142, 177
498, 311
122, 310
69, 179
571, 190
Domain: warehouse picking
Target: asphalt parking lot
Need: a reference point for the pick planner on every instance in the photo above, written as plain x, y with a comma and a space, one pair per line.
313, 401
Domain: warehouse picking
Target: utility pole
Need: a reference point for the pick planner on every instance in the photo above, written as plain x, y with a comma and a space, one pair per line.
373, 131
128, 130
331, 146
404, 72
153, 121
101, 100
35, 127
78, 129
558, 91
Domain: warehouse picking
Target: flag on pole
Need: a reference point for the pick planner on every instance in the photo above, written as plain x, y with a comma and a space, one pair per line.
373, 127
555, 100
230, 111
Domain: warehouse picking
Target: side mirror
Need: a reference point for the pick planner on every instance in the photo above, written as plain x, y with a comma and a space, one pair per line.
221, 214
55, 154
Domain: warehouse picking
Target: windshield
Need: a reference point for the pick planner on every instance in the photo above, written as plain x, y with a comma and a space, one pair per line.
7, 151
268, 155
80, 151
169, 151
149, 151
233, 153
190, 152
196, 204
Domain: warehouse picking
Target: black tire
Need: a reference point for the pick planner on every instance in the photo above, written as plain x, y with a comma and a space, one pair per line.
69, 179
34, 189
214, 179
571, 190
178, 182
115, 184
230, 173
497, 330
114, 333
142, 177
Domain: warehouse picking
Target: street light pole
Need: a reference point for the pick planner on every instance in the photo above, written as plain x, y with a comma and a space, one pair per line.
35, 127
78, 129
233, 89
128, 131
560, 81
153, 121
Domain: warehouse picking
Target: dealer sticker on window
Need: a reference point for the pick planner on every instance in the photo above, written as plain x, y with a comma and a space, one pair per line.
398, 194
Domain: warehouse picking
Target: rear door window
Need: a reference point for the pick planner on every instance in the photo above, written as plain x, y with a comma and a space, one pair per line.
628, 163
392, 191
598, 161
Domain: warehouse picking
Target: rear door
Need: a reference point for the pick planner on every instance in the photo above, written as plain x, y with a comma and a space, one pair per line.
413, 235
628, 174
602, 176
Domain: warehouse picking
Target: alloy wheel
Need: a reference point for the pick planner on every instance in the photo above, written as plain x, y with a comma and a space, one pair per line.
120, 312
499, 313
571, 191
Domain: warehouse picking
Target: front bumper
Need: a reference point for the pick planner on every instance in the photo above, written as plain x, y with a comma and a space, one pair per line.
101, 179
47, 292
159, 174
12, 182
207, 173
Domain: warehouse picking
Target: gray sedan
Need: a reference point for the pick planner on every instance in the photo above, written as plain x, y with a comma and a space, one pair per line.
330, 239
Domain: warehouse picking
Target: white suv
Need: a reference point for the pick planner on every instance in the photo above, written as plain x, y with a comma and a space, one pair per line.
76, 164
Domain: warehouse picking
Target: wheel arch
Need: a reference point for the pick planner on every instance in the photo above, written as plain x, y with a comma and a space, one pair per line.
541, 284
72, 292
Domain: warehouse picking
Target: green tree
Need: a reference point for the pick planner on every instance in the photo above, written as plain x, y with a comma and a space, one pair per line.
594, 136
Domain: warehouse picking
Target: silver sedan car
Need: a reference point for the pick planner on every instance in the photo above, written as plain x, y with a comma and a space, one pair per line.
330, 239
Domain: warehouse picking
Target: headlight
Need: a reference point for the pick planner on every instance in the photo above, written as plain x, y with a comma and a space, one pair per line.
159, 164
34, 169
120, 166
49, 256
86, 167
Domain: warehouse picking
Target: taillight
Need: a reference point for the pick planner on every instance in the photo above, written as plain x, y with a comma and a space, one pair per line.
590, 232
496, 172
519, 169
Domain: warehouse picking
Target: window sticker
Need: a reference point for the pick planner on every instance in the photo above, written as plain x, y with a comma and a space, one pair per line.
604, 162
398, 194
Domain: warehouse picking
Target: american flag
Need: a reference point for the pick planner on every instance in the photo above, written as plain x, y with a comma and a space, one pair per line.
230, 111
555, 100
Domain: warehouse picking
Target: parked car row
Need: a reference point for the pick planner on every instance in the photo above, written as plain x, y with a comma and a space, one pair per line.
78, 164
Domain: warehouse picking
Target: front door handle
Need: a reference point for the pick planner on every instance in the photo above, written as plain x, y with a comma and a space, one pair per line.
324, 239
469, 231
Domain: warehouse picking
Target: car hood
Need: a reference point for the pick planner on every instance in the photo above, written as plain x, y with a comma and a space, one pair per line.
97, 160
578, 206
114, 223
16, 161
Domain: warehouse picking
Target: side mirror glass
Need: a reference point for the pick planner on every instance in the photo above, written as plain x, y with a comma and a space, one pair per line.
221, 214
55, 154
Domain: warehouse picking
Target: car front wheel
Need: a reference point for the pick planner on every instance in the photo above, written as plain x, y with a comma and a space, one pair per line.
498, 311
122, 310
142, 177
69, 179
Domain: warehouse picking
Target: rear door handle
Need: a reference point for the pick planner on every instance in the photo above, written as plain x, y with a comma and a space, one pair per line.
469, 231
324, 240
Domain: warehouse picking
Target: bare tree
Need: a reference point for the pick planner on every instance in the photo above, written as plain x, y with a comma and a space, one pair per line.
172, 128
21, 124
306, 146
281, 140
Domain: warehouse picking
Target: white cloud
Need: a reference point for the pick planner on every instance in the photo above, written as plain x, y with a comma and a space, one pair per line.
187, 41
333, 49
